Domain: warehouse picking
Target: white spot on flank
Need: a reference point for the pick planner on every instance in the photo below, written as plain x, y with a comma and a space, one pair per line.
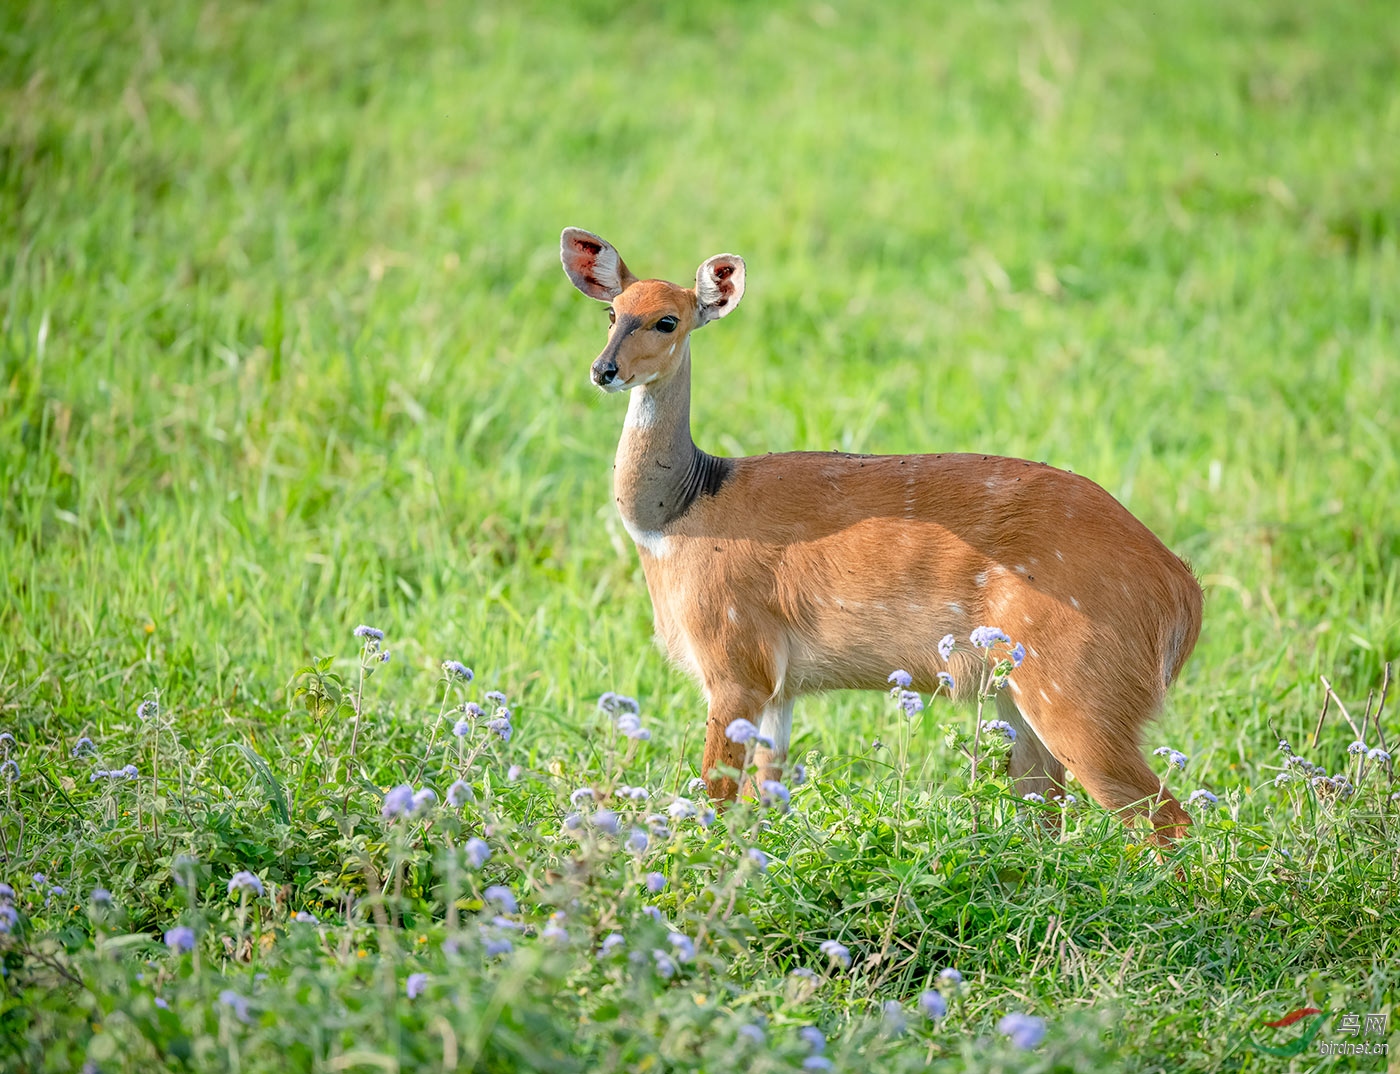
955, 607
1015, 686
881, 606
733, 615
1044, 696
1059, 555
991, 483
1020, 568
980, 578
1055, 686
653, 542
915, 607
1031, 651
1074, 601
1025, 618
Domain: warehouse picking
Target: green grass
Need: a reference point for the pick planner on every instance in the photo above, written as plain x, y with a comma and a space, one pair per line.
285, 347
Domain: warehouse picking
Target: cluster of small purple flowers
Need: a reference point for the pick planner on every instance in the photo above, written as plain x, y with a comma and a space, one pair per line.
373, 639
246, 883
9, 916
1001, 727
128, 772
1175, 758
456, 671
626, 714
404, 801
745, 731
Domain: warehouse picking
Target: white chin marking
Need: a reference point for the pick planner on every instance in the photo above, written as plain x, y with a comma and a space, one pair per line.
641, 411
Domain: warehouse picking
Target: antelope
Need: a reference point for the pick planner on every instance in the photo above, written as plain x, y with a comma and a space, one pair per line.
780, 575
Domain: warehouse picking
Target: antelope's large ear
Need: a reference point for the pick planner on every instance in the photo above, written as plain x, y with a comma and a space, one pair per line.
719, 284
594, 266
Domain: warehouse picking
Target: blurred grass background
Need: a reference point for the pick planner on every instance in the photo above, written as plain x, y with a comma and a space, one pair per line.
286, 345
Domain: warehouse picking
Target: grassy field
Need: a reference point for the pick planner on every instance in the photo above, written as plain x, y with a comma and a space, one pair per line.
286, 349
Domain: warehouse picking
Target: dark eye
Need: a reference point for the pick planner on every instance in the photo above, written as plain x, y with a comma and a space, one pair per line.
666, 324
612, 315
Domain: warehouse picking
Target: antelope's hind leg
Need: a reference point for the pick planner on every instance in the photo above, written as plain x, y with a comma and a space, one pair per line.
1100, 747
1034, 769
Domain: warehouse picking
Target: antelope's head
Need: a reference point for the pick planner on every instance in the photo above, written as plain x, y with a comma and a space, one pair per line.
649, 320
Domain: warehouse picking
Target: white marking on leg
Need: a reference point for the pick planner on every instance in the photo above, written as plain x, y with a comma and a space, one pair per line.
775, 722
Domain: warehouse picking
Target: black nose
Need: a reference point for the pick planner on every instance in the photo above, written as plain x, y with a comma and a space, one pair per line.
604, 373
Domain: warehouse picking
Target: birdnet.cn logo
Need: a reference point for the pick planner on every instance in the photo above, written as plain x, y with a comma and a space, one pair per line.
1356, 1034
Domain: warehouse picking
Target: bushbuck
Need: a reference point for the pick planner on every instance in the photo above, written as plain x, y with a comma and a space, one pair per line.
785, 574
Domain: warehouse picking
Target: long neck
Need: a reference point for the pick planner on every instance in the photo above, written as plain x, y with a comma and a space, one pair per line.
659, 471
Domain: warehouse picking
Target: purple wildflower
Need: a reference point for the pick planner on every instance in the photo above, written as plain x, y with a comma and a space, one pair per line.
373, 633
837, 952
741, 730
555, 932
893, 1017
398, 801
933, 1005
459, 794
501, 727
180, 939
415, 984
665, 967
1025, 1030
496, 945
236, 1003
681, 808
477, 852
502, 897
682, 944
1202, 795
455, 669
902, 680
1002, 726
911, 703
656, 883
424, 800
759, 858
774, 793
611, 943
246, 882
613, 703
1175, 758
984, 637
